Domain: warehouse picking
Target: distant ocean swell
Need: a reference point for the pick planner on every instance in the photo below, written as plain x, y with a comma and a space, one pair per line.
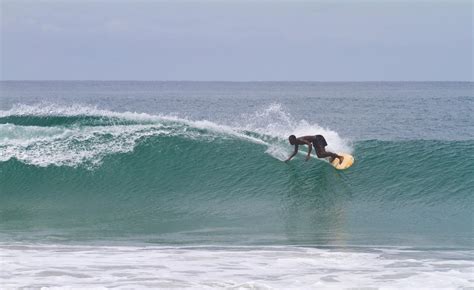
126, 168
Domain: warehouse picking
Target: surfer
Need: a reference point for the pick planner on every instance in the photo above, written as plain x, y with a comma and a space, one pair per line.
318, 142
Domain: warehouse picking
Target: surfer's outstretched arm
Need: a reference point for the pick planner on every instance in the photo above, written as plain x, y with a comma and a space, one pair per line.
310, 147
292, 155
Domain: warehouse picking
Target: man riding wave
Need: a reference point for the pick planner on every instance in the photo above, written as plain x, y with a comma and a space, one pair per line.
319, 144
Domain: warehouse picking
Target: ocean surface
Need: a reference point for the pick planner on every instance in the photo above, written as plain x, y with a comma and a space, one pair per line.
183, 184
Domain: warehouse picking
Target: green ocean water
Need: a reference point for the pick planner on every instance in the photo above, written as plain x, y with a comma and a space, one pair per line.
201, 163
148, 179
182, 184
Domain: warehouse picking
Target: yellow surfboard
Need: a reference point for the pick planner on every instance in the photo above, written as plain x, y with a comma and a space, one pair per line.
346, 163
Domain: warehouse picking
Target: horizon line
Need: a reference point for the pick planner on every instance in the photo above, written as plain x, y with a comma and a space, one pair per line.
244, 81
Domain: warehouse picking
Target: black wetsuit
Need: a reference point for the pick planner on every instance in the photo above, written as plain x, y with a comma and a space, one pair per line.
319, 143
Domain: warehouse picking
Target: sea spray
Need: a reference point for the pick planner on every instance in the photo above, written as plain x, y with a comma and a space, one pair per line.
45, 135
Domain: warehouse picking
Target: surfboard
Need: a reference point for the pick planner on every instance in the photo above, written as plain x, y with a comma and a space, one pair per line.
346, 163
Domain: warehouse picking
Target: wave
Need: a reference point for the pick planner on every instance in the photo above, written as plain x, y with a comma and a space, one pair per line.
44, 135
122, 173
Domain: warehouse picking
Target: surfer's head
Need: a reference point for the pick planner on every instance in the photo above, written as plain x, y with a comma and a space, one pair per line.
292, 139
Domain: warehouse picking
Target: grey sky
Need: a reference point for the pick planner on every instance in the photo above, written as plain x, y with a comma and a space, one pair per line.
237, 41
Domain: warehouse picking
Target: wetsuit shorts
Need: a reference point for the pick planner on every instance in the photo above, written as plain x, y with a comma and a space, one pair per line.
319, 141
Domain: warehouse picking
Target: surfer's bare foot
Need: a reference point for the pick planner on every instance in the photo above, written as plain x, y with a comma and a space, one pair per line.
341, 158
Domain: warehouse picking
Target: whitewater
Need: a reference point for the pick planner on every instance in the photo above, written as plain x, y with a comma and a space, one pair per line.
51, 135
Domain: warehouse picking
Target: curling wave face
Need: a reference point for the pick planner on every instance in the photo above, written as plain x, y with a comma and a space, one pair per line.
70, 136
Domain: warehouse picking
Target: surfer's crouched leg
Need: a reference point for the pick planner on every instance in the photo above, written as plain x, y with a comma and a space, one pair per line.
321, 153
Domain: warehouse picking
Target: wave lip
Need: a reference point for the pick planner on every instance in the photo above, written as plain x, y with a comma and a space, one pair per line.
44, 135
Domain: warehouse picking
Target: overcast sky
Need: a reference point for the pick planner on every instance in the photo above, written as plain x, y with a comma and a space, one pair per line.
237, 41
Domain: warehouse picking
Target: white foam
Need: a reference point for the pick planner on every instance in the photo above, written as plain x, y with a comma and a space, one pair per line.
43, 146
265, 267
274, 122
74, 145
47, 109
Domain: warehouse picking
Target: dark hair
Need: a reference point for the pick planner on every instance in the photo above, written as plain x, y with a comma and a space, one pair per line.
292, 139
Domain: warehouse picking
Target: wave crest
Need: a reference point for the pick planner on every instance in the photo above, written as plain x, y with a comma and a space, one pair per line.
48, 134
